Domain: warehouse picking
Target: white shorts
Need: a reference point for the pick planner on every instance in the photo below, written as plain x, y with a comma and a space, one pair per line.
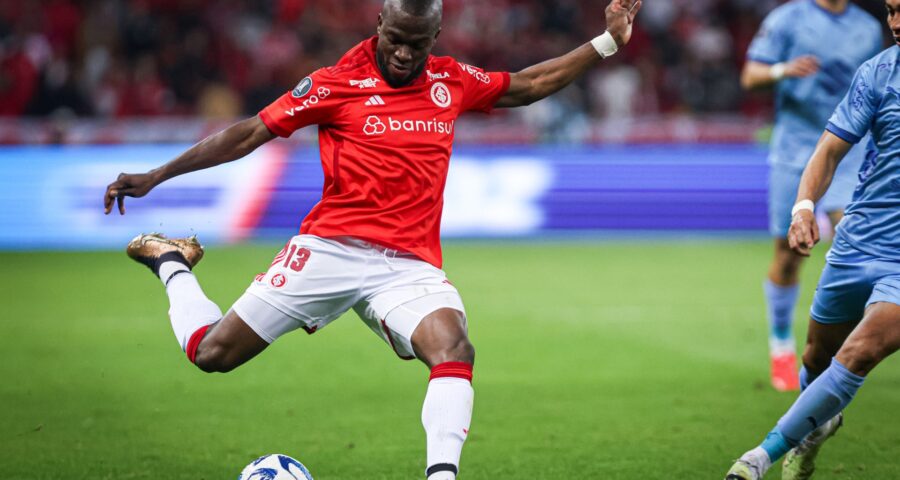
314, 280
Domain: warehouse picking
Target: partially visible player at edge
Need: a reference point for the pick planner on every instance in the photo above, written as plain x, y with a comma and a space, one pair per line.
856, 310
797, 50
386, 114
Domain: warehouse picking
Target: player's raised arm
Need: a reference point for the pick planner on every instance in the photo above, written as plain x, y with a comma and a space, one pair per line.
757, 75
804, 231
228, 145
544, 79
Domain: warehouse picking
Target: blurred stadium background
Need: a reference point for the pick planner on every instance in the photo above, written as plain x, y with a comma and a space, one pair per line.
658, 145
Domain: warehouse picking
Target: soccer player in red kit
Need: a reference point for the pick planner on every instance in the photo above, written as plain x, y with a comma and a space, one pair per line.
386, 113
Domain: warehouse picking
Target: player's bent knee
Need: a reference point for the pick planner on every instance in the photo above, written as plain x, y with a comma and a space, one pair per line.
213, 358
860, 356
461, 350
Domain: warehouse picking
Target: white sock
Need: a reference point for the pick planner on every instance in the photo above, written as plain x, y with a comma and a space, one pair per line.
189, 309
758, 458
779, 346
446, 416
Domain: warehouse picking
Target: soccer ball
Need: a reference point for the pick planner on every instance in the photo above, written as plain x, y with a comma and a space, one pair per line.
275, 467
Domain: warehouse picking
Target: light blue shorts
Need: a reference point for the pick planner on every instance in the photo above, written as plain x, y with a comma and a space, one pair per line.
784, 181
853, 280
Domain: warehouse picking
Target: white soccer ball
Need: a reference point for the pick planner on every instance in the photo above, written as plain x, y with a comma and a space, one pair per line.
275, 467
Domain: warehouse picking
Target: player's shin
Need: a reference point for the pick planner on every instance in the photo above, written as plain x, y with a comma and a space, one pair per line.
446, 416
780, 303
827, 396
190, 311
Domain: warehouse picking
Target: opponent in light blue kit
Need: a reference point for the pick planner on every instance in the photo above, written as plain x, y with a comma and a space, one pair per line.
810, 49
856, 310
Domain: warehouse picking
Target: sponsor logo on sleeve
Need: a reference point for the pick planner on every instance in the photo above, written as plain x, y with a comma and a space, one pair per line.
440, 95
302, 88
321, 94
367, 83
478, 74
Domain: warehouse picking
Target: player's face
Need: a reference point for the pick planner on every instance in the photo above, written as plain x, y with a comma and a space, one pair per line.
404, 44
893, 18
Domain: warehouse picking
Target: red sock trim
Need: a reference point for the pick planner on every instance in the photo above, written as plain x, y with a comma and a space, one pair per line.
452, 369
194, 342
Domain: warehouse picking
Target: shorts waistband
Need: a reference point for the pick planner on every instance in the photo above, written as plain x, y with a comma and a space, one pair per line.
360, 243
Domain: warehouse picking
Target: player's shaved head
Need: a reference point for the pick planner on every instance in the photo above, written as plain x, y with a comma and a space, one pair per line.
431, 9
407, 32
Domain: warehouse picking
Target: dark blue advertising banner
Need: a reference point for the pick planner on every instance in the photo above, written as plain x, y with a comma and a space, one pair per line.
51, 197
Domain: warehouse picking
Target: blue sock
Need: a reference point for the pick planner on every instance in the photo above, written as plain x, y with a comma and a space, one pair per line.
825, 398
775, 445
780, 303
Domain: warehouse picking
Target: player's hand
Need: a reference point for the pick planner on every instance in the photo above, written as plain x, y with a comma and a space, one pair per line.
619, 19
804, 232
801, 67
127, 185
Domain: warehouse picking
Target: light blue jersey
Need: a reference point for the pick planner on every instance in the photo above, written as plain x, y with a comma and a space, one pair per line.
841, 42
864, 261
872, 221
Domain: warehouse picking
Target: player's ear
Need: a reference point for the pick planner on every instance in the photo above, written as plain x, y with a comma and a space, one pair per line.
437, 34
380, 22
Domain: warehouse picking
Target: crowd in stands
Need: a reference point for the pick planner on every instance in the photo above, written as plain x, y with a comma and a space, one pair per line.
228, 58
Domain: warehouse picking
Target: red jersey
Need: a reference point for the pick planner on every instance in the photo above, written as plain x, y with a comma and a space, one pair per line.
385, 151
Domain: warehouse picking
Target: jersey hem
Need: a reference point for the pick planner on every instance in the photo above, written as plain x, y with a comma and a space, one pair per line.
438, 263
501, 92
273, 127
843, 134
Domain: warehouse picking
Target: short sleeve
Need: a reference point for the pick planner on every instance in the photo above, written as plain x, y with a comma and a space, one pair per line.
853, 116
772, 43
312, 102
482, 90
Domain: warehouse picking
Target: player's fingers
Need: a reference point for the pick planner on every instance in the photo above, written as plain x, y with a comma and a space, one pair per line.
792, 241
804, 237
809, 238
109, 198
635, 8
121, 201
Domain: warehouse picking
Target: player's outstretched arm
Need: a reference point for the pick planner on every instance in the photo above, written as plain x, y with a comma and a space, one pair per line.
544, 79
228, 145
804, 232
757, 75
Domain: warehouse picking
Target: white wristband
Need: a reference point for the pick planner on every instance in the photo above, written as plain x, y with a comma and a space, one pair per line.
605, 45
777, 71
803, 205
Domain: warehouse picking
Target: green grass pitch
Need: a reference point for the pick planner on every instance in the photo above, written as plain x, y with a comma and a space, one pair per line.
612, 360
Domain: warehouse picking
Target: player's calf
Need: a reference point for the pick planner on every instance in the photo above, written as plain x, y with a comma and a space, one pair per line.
225, 345
441, 342
213, 343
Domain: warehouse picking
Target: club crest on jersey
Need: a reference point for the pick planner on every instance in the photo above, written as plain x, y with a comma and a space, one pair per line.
278, 281
302, 88
367, 83
440, 95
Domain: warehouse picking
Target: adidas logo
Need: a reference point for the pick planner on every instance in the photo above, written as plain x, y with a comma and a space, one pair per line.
375, 100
